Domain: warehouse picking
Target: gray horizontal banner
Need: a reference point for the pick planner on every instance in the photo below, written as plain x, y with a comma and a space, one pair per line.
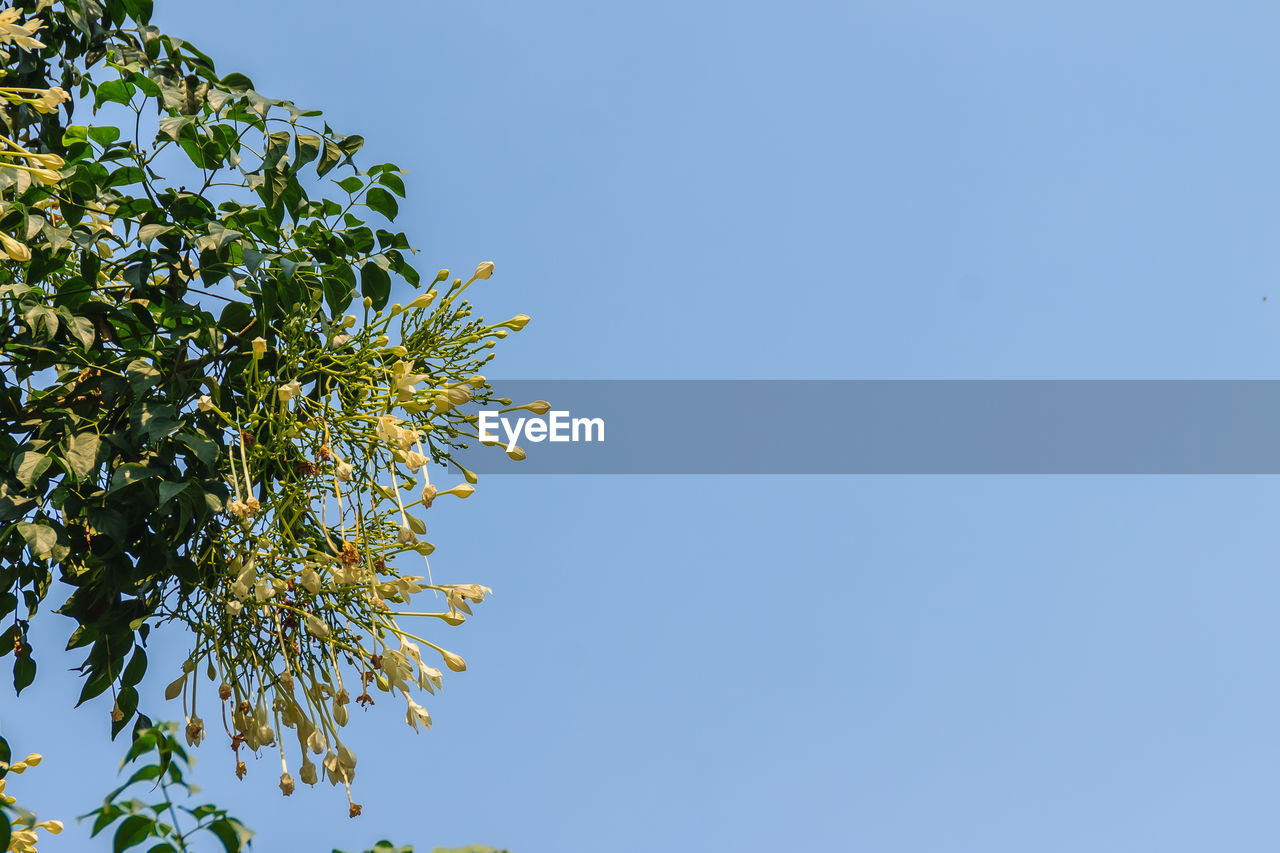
886, 427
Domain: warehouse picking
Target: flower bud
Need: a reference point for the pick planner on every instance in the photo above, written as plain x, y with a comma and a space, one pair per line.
348, 321
454, 662
462, 490
517, 453
422, 300
368, 303
517, 322
484, 270
443, 275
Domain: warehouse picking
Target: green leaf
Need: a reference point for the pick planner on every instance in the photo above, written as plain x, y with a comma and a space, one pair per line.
119, 91
339, 286
332, 156
104, 135
375, 284
170, 488
136, 669
132, 831
219, 235
82, 453
24, 672
232, 833
29, 466
237, 82
82, 330
392, 181
306, 147
149, 232
129, 474
350, 184
383, 202
351, 144
142, 374
172, 126
204, 449
6, 831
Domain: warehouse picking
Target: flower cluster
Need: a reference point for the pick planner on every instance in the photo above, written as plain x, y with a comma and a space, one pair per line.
24, 836
329, 475
19, 167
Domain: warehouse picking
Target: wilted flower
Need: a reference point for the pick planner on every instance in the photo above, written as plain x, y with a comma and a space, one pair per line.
195, 731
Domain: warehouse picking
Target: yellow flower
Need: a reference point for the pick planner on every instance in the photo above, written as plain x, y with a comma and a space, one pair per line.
462, 490
259, 345
13, 249
20, 34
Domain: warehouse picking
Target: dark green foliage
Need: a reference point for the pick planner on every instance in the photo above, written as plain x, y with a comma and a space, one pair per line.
159, 821
109, 474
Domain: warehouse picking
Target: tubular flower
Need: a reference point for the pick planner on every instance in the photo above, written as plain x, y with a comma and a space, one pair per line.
308, 575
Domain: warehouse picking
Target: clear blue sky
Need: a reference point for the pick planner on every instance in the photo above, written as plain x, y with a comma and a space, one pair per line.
814, 190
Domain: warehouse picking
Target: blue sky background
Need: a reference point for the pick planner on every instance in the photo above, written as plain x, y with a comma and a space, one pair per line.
811, 190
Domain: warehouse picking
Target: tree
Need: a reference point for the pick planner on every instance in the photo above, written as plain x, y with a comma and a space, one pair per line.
195, 429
